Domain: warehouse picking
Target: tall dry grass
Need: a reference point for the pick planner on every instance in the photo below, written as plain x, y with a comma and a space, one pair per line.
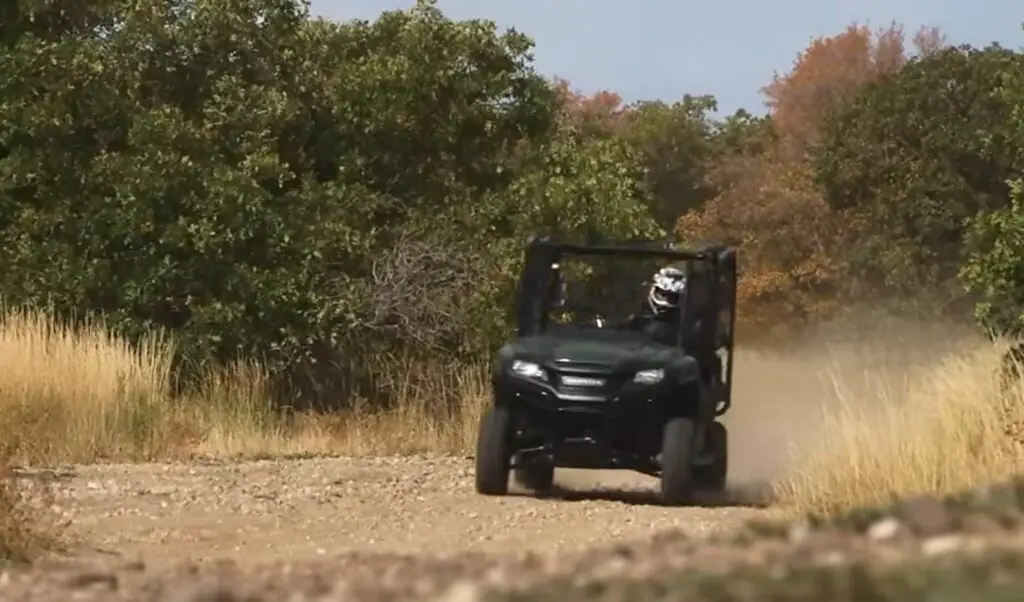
80, 394
939, 429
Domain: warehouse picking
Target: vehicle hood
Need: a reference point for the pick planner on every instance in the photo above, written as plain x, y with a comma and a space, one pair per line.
606, 353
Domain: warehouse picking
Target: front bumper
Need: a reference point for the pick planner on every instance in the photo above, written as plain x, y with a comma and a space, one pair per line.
615, 426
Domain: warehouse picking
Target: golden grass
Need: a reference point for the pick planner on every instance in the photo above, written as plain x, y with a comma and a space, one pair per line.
940, 430
81, 394
438, 414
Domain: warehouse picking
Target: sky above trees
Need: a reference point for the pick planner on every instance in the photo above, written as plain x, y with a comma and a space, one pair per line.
660, 49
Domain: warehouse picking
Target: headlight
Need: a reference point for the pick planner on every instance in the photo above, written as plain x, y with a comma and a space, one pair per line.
529, 370
649, 377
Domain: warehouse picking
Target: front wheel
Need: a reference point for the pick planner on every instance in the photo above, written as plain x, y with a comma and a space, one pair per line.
712, 476
677, 445
493, 453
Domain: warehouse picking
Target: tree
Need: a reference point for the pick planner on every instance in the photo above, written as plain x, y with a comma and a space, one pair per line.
915, 156
765, 195
431, 109
994, 265
994, 268
166, 176
769, 206
829, 73
600, 115
56, 20
675, 141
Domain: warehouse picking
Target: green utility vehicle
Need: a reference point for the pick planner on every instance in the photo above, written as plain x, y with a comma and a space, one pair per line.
587, 385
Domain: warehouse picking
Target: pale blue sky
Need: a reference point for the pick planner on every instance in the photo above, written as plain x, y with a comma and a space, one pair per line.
660, 49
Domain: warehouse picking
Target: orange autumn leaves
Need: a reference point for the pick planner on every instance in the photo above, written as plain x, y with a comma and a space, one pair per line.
767, 201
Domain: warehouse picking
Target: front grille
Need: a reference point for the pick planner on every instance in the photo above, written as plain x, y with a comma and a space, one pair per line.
582, 382
575, 384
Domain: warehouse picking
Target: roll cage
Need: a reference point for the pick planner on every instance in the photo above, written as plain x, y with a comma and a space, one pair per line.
705, 327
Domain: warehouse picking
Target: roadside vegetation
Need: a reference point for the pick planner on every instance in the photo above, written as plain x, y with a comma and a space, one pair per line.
78, 394
254, 236
954, 426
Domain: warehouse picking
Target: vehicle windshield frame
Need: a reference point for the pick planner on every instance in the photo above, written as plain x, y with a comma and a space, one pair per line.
539, 290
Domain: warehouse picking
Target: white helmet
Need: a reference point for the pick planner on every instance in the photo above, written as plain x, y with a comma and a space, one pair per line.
667, 289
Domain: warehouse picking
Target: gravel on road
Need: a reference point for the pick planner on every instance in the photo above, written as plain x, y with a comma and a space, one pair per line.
264, 510
135, 528
389, 530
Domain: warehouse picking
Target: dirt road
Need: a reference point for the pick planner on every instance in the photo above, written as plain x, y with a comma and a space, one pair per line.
387, 530
167, 526
256, 511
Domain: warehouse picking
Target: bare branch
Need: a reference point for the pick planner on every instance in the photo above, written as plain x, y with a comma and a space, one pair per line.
421, 288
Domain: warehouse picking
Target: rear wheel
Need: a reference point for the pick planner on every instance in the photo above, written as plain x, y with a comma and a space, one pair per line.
493, 451
677, 444
539, 478
716, 445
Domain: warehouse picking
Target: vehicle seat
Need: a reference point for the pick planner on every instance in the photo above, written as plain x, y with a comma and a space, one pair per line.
660, 330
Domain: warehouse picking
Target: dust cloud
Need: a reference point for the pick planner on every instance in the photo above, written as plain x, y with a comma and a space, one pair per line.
783, 392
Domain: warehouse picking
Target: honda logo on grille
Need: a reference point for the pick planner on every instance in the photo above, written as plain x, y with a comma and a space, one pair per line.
582, 381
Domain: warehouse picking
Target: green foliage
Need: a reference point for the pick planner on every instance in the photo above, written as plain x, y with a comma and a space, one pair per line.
165, 177
430, 109
676, 141
583, 189
916, 155
50, 20
994, 269
743, 133
281, 188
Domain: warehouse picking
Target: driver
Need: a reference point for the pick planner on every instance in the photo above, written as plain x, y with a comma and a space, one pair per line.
659, 314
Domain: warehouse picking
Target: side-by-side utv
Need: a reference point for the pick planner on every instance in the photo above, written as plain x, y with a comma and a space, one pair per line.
594, 393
